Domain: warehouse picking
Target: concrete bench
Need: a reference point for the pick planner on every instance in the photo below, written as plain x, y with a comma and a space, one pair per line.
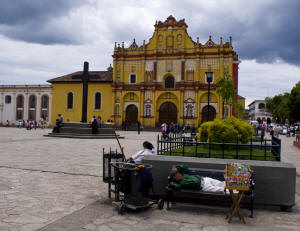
275, 181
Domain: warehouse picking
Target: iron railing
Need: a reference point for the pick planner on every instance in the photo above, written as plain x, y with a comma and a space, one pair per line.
177, 144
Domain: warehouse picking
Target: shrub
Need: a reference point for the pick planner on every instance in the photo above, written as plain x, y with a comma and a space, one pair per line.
203, 132
228, 130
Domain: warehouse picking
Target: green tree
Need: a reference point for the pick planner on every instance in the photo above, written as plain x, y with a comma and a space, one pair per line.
225, 89
294, 103
278, 107
240, 111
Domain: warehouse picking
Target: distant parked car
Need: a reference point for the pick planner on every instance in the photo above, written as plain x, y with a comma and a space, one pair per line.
254, 123
284, 130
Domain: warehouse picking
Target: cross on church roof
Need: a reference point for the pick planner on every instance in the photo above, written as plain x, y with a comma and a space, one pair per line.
85, 76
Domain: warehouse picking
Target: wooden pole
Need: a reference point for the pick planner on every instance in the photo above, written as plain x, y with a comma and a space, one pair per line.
120, 145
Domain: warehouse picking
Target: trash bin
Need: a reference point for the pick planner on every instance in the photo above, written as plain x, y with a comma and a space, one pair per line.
134, 181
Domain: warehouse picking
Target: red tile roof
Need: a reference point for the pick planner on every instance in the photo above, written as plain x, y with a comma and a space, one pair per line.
104, 76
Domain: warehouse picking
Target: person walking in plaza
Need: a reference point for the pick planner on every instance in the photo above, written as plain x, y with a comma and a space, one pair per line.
93, 118
139, 127
99, 121
163, 130
168, 131
61, 117
262, 133
57, 126
94, 125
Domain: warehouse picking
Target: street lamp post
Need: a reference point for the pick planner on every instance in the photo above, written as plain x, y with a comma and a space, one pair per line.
208, 80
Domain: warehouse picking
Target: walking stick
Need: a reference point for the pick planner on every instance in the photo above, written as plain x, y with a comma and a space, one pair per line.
120, 146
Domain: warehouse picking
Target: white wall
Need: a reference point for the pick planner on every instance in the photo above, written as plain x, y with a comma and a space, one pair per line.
8, 111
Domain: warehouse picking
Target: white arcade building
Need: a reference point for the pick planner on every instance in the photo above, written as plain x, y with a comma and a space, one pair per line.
25, 102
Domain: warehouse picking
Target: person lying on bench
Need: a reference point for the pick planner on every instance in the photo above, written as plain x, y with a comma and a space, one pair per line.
181, 179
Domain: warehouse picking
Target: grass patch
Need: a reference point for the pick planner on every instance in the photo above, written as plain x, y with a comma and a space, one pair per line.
202, 151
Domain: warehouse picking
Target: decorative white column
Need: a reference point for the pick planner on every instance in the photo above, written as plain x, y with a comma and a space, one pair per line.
38, 107
50, 108
14, 106
26, 106
1, 107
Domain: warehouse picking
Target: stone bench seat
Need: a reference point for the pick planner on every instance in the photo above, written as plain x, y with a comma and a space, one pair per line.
190, 195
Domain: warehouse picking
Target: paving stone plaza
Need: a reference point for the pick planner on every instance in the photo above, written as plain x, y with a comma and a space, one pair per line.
56, 184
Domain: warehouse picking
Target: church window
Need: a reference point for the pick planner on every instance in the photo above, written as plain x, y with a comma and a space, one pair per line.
169, 44
70, 100
179, 47
98, 100
179, 37
209, 77
117, 109
190, 76
226, 111
32, 110
261, 106
131, 96
20, 107
7, 99
118, 75
169, 67
189, 110
169, 82
44, 111
132, 78
160, 37
148, 110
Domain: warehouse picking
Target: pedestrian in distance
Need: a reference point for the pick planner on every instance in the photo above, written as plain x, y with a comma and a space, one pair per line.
99, 121
61, 117
57, 126
139, 127
164, 130
94, 125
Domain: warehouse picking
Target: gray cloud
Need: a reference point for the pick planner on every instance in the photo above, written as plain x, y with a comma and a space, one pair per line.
262, 30
37, 21
55, 37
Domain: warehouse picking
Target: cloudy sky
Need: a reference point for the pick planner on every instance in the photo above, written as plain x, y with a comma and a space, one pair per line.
43, 39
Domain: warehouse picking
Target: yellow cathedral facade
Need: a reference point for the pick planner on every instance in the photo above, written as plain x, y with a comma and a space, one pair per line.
167, 79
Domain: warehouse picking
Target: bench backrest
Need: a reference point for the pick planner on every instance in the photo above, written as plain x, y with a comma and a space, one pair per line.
205, 172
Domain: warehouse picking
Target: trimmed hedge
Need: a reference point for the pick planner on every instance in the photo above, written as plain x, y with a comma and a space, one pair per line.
227, 130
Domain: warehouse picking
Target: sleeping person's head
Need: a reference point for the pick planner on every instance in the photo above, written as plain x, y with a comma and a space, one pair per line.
175, 175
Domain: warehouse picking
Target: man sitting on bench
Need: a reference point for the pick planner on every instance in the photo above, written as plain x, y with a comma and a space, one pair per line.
180, 179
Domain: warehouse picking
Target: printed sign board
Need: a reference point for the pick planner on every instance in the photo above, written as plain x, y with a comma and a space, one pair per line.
237, 176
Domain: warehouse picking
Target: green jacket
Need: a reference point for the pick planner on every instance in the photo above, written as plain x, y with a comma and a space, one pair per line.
187, 181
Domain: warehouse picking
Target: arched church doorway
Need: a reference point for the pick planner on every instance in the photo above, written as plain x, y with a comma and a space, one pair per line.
131, 115
168, 113
212, 113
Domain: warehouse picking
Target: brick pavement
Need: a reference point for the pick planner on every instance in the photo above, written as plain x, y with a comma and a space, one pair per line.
55, 184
